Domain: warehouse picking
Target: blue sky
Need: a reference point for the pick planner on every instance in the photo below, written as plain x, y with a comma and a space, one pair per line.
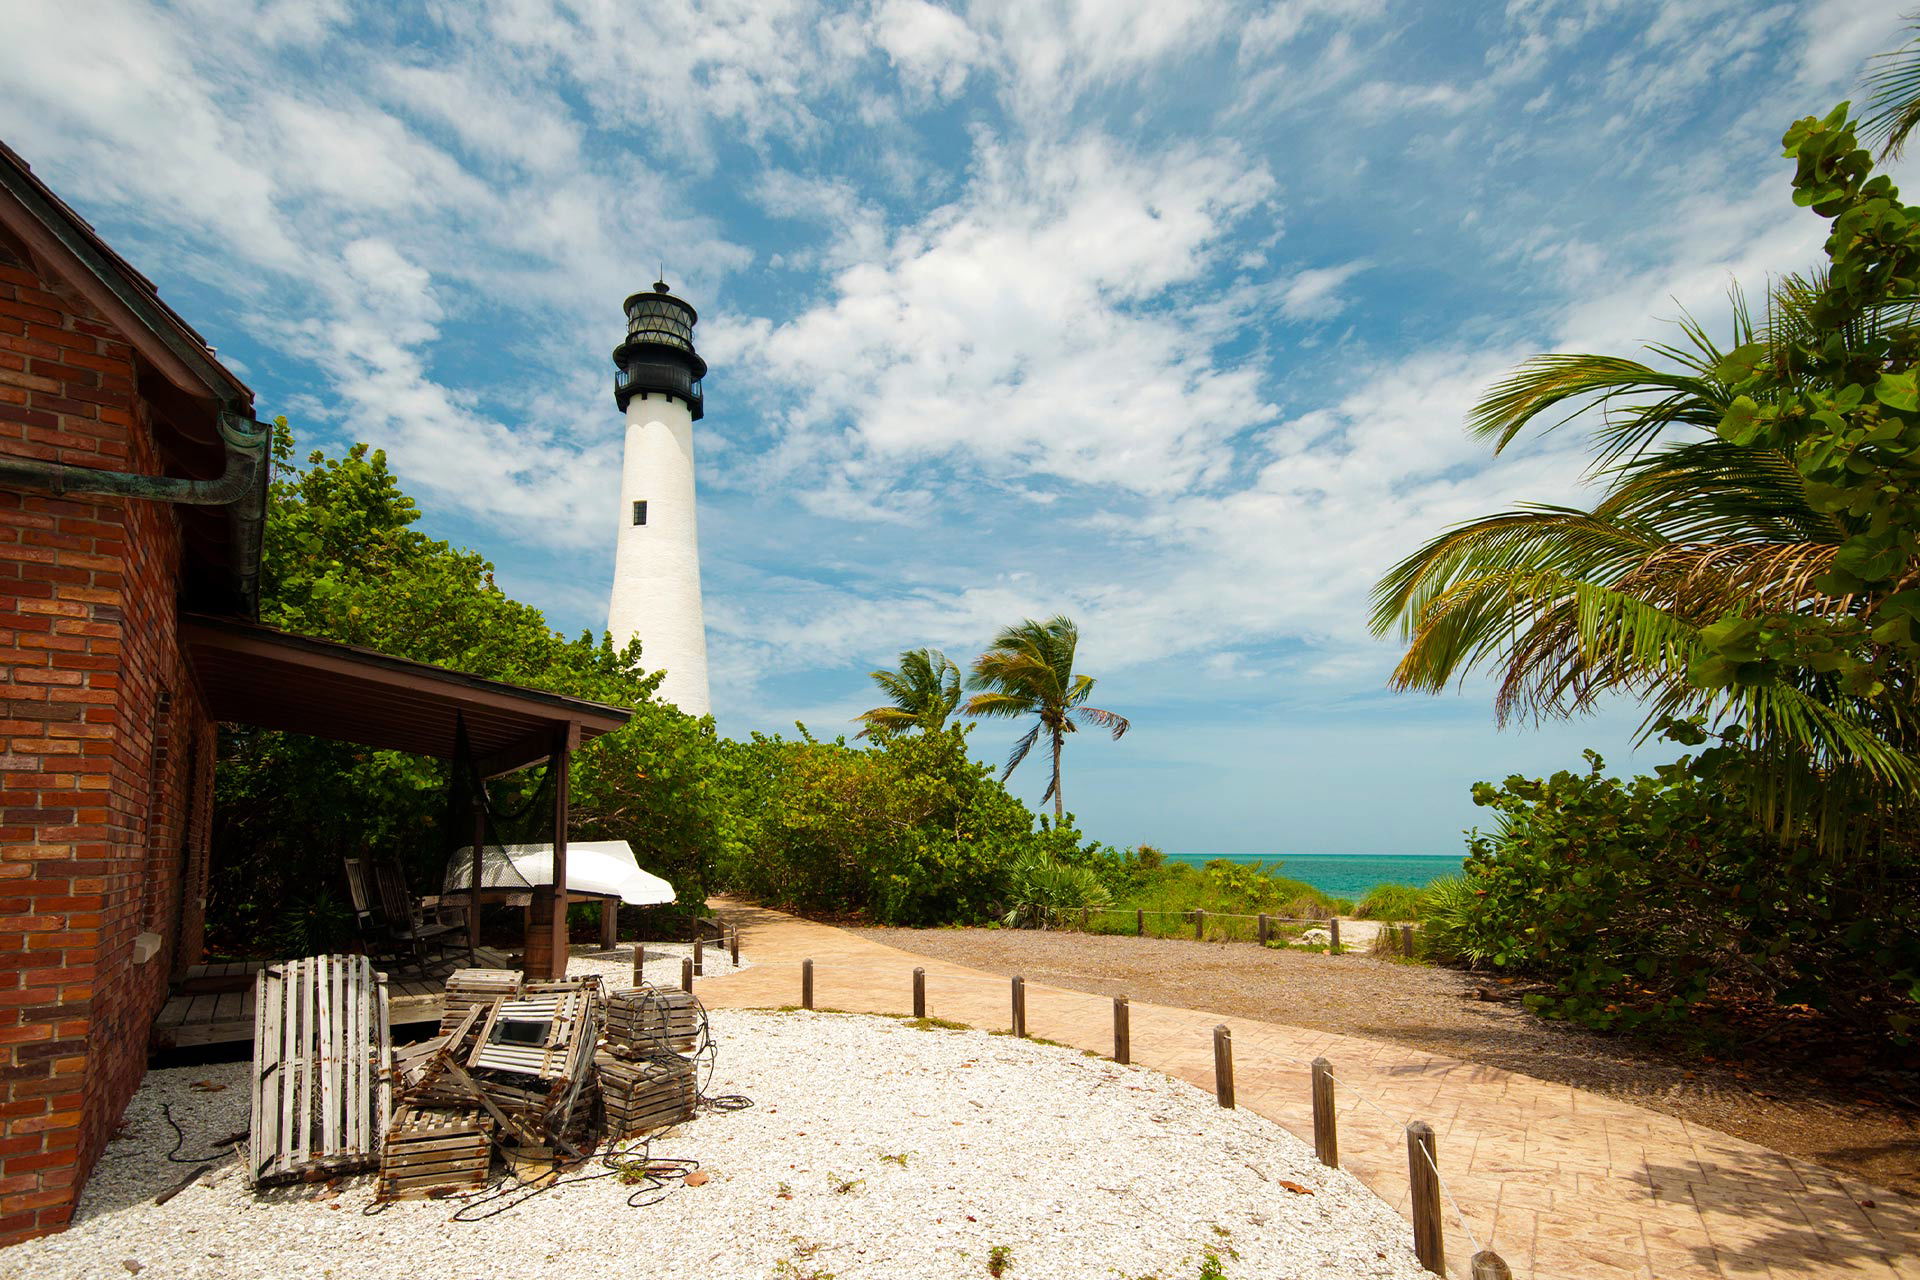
1162, 315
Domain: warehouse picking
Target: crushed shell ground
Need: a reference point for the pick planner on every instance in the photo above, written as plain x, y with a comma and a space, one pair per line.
874, 1149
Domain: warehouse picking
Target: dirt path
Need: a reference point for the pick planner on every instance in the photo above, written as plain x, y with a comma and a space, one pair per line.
1864, 1129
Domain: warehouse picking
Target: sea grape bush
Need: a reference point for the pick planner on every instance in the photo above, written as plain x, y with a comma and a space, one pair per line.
910, 831
1659, 900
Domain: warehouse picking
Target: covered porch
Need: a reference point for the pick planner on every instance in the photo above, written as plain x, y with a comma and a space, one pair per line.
257, 675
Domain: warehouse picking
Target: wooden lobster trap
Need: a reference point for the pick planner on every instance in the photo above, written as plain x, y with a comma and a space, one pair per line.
434, 1152
646, 1021
321, 1053
640, 1095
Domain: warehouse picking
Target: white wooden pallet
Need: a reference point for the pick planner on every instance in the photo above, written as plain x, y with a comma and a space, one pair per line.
322, 1053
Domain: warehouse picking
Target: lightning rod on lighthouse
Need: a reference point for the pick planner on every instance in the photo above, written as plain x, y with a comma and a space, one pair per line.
656, 563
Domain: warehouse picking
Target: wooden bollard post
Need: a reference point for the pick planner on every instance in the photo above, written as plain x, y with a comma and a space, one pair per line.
1423, 1177
1406, 941
733, 945
1139, 922
1083, 919
806, 984
1265, 929
1122, 1030
1488, 1265
699, 958
1333, 935
639, 964
1326, 1137
1020, 1007
1223, 1064
1200, 925
919, 993
686, 975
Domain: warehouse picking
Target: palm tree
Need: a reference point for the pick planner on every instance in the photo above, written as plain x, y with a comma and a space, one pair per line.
1895, 85
925, 690
1029, 672
1565, 604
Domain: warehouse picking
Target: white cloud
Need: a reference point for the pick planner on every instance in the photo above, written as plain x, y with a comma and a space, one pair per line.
1037, 325
1314, 294
933, 48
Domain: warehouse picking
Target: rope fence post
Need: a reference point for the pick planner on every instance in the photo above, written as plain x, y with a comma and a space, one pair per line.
1223, 1065
639, 964
686, 975
1326, 1134
1122, 1030
700, 957
1488, 1265
1423, 1178
1199, 925
1020, 1007
919, 993
1139, 922
1333, 934
1083, 920
733, 945
806, 984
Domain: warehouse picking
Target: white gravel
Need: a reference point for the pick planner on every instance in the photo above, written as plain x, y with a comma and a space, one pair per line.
874, 1149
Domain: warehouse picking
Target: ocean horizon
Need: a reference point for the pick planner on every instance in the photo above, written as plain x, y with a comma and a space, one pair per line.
1344, 875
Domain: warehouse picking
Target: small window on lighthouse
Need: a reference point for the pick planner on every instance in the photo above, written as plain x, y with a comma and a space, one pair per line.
639, 513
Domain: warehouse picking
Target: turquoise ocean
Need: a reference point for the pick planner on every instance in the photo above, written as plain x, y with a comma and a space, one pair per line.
1344, 875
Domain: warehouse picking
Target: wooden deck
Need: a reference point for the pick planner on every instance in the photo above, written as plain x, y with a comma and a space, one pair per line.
223, 1017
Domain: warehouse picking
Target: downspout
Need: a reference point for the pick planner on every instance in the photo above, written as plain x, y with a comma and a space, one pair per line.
241, 487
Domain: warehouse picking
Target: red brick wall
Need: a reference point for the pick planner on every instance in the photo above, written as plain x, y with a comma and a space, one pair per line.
102, 831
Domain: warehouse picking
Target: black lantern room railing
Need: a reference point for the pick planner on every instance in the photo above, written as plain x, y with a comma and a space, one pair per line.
657, 357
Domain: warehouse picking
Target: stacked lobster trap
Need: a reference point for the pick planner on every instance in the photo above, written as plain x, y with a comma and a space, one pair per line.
536, 1071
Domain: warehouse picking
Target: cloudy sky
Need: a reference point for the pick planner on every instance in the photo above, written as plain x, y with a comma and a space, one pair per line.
1160, 313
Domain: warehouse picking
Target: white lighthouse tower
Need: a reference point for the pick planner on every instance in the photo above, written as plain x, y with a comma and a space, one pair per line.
656, 563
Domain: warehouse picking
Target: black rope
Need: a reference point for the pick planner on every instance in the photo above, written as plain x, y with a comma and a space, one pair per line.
224, 1148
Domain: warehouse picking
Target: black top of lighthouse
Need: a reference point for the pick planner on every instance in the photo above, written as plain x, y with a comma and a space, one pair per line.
657, 357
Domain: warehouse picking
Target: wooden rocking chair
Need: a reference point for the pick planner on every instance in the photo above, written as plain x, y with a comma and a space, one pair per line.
402, 925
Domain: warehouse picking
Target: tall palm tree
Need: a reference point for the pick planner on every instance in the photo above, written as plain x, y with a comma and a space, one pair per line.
925, 690
1029, 672
1565, 604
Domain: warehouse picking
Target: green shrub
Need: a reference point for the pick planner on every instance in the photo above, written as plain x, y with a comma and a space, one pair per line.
1450, 904
1661, 901
1041, 891
1393, 902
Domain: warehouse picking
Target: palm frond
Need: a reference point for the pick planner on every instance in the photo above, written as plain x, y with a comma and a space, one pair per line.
1894, 84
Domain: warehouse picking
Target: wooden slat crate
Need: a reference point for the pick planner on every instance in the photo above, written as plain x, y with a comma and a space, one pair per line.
538, 1035
467, 988
321, 1060
640, 1096
433, 1153
647, 1020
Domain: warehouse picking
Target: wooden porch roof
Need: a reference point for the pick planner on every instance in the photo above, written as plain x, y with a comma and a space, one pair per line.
257, 675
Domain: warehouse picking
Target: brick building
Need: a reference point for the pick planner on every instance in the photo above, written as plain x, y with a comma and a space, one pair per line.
133, 480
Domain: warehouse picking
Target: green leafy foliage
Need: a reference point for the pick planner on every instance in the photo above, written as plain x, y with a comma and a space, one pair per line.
1659, 902
909, 831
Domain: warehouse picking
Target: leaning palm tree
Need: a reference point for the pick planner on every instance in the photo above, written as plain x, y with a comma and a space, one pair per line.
1564, 604
1029, 672
925, 690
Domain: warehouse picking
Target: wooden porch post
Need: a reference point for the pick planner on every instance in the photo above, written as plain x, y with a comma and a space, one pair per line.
565, 740
473, 885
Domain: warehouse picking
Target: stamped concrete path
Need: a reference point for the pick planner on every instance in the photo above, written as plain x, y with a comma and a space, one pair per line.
1563, 1183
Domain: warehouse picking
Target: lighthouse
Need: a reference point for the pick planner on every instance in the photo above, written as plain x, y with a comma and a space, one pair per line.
656, 562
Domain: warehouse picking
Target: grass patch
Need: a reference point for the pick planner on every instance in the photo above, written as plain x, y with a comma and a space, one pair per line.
999, 1260
1393, 902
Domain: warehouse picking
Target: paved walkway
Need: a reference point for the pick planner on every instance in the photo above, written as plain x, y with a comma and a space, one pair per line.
1563, 1183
